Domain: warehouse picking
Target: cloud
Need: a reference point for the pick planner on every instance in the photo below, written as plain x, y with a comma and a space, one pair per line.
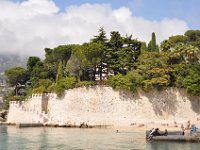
30, 26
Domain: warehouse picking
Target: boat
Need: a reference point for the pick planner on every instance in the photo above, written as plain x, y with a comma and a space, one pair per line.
174, 136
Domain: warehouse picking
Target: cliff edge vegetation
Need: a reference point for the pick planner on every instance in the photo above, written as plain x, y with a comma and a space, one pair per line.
119, 61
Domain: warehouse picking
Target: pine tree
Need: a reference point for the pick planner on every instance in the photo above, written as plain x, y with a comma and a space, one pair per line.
101, 39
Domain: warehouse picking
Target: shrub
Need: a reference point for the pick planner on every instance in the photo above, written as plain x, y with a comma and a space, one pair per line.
119, 82
85, 83
40, 89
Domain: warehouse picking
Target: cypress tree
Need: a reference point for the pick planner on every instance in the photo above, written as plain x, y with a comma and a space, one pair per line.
59, 72
153, 42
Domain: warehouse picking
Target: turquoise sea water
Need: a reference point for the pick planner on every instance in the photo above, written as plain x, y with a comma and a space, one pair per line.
12, 138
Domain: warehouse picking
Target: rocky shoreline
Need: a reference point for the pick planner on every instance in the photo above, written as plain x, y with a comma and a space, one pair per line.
26, 125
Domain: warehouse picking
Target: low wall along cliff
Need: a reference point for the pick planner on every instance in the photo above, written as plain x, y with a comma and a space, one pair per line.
100, 105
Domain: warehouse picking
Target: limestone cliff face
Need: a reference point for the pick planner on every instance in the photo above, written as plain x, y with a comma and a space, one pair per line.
104, 106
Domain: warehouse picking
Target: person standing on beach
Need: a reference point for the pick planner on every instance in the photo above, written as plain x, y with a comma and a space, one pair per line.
183, 129
188, 124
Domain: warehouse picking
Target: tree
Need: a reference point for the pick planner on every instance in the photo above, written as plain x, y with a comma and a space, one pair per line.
60, 72
16, 77
153, 42
32, 62
165, 46
154, 69
62, 53
93, 53
152, 46
113, 52
184, 53
193, 35
102, 40
129, 53
101, 37
192, 81
54, 56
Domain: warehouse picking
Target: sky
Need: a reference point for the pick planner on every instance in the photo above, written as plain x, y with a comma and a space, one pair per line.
29, 26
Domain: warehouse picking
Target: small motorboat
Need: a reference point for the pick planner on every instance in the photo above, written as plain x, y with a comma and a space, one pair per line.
178, 136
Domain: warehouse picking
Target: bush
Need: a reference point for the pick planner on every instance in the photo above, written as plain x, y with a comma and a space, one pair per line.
12, 98
135, 80
85, 83
40, 90
59, 90
68, 82
64, 84
131, 81
45, 82
119, 82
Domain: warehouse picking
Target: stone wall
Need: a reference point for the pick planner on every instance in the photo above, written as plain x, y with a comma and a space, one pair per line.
103, 105
29, 111
100, 105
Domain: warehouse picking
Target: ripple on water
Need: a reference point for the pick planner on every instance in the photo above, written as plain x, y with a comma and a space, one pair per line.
81, 139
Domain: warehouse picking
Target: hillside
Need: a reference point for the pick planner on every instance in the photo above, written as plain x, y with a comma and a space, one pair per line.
10, 60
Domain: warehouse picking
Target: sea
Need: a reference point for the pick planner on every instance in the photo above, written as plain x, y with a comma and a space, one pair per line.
51, 138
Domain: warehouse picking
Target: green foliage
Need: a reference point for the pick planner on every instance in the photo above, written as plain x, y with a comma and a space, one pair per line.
40, 89
101, 37
153, 66
45, 82
68, 82
64, 84
192, 81
143, 47
152, 46
85, 83
184, 53
193, 35
122, 53
59, 90
60, 72
32, 62
17, 75
51, 88
119, 82
132, 81
133, 64
115, 46
153, 42
135, 80
101, 50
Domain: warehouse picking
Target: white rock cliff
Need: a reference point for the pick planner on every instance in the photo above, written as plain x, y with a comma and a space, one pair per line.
100, 105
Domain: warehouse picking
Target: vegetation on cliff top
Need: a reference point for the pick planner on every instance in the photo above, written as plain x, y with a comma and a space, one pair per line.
125, 62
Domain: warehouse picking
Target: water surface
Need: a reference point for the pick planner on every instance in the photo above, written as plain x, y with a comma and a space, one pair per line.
12, 138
